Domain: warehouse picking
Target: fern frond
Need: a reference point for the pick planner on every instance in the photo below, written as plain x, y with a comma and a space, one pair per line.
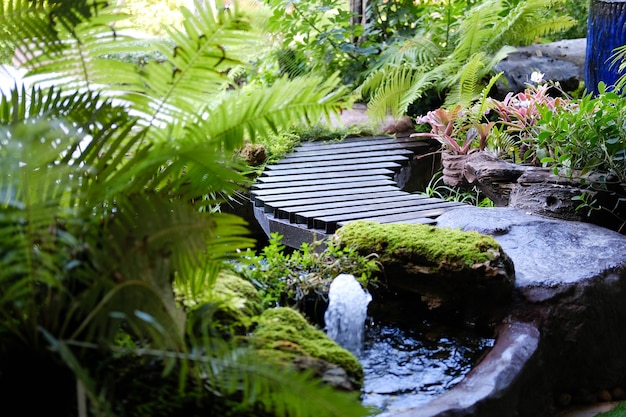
36, 241
226, 238
258, 112
483, 102
465, 87
548, 27
527, 21
208, 47
477, 30
76, 61
418, 51
24, 21
400, 87
158, 319
282, 393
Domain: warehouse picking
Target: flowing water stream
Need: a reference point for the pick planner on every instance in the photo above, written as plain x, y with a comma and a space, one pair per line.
405, 363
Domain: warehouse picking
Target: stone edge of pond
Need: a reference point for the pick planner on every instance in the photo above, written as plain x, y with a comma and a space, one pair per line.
495, 384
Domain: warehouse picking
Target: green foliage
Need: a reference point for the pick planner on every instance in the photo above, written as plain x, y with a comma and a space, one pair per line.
112, 172
579, 11
517, 117
289, 278
619, 61
461, 46
436, 188
588, 137
285, 329
317, 37
618, 411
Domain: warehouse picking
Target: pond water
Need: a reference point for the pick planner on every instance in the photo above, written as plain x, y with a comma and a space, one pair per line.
407, 361
406, 366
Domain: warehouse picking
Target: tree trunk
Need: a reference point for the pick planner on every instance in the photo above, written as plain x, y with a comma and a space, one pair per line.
357, 8
606, 31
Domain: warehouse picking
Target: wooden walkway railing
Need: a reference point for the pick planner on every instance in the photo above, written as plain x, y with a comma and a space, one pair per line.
322, 186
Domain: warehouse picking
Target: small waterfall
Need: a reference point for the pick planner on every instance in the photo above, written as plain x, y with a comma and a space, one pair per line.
346, 313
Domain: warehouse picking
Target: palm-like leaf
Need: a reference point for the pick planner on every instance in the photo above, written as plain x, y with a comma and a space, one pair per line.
483, 34
257, 112
399, 88
527, 21
110, 177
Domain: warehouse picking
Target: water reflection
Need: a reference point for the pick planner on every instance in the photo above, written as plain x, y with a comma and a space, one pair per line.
408, 366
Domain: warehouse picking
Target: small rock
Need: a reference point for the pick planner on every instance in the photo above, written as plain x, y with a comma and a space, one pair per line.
618, 393
402, 125
564, 399
253, 154
585, 396
605, 396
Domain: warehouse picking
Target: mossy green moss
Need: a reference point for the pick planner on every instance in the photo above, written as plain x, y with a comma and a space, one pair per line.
428, 244
231, 304
240, 291
287, 330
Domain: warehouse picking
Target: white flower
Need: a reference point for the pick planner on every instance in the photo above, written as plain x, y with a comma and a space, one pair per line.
537, 77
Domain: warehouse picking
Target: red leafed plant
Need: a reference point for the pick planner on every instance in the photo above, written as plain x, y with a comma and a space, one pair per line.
455, 130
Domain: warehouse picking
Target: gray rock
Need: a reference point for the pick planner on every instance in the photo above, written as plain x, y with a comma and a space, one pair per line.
548, 254
562, 62
571, 286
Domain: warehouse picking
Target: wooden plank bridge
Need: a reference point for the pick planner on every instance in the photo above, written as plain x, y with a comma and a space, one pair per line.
320, 187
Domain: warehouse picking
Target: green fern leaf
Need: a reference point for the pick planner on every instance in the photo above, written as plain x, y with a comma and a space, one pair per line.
400, 88
258, 112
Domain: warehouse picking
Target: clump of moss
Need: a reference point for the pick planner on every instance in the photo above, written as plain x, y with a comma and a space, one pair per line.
231, 305
239, 290
426, 244
286, 330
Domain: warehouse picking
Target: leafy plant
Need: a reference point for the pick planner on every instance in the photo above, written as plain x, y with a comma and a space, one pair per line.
289, 278
619, 60
518, 114
589, 137
111, 175
317, 37
458, 128
455, 52
453, 130
437, 188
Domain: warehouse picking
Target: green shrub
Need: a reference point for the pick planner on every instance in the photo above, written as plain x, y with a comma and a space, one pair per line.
288, 278
590, 136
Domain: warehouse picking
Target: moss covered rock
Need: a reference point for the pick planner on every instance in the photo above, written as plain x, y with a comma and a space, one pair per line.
449, 269
286, 331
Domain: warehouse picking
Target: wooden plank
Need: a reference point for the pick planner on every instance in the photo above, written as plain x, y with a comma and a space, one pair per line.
407, 203
352, 161
259, 200
409, 217
329, 223
322, 175
290, 210
411, 220
357, 154
273, 206
395, 147
320, 182
270, 171
323, 187
373, 146
360, 141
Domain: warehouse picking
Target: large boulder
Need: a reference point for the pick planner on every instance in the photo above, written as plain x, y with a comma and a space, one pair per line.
571, 286
448, 270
